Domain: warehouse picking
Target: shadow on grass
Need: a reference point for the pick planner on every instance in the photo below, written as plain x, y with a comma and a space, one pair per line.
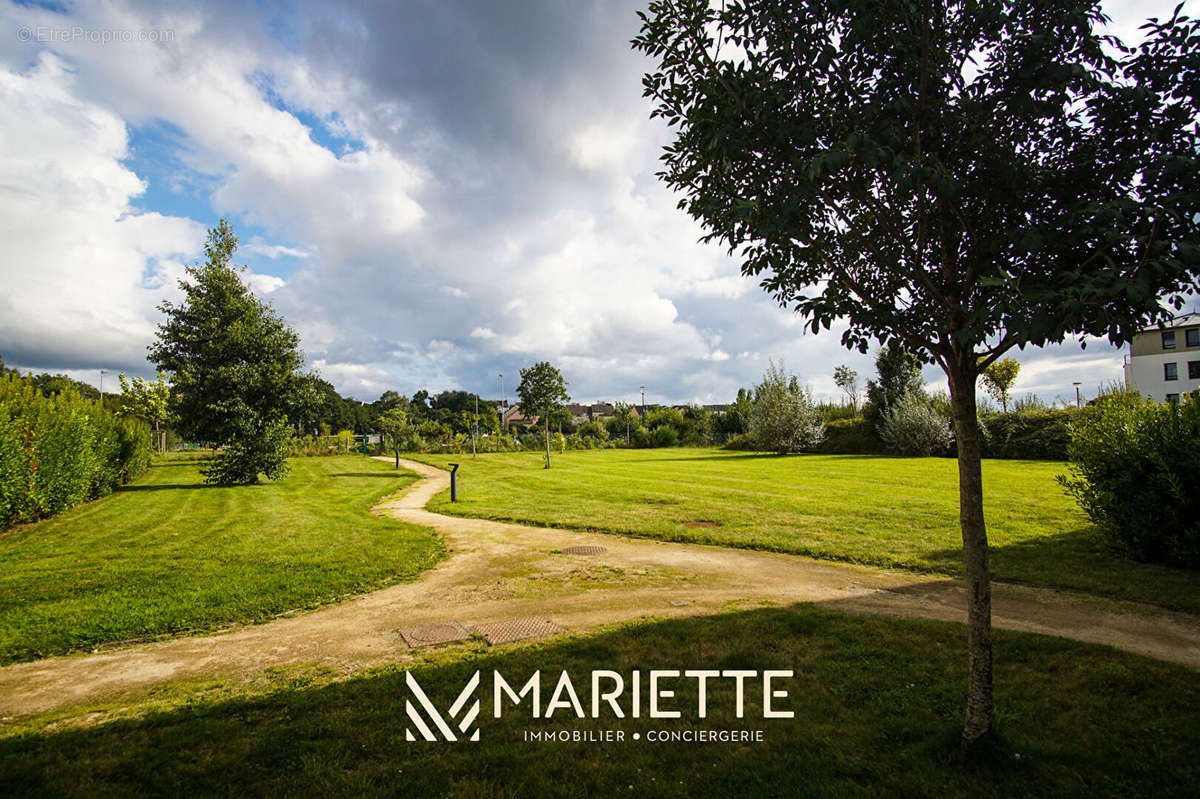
162, 487
877, 707
743, 456
392, 475
1080, 559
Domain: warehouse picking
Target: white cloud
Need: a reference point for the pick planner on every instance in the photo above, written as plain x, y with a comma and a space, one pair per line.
273, 251
82, 272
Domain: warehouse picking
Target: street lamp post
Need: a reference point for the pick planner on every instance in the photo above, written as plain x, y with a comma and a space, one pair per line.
643, 404
1078, 398
103, 372
503, 405
475, 430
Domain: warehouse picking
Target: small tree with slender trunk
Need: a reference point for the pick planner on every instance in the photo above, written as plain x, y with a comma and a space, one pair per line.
959, 178
542, 391
998, 379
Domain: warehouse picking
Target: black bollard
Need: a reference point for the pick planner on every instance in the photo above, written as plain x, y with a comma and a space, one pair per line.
454, 482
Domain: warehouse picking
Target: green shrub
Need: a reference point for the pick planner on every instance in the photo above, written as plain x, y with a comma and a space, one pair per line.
60, 450
855, 436
665, 436
1040, 434
742, 442
1135, 468
258, 448
913, 426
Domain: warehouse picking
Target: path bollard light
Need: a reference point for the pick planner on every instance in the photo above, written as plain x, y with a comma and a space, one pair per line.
454, 482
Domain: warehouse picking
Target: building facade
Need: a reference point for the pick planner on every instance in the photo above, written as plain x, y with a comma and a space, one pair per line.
1164, 362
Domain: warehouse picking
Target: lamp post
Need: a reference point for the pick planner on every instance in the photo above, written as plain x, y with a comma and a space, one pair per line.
503, 405
103, 372
475, 429
643, 404
1078, 398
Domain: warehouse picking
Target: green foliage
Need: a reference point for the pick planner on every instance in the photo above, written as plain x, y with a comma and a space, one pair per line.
398, 432
664, 436
1135, 468
913, 426
149, 401
735, 420
233, 363
593, 430
784, 418
1040, 434
846, 379
898, 374
257, 446
60, 450
851, 437
998, 379
542, 392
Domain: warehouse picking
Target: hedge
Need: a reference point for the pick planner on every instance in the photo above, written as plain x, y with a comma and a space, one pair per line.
60, 450
1024, 435
1029, 435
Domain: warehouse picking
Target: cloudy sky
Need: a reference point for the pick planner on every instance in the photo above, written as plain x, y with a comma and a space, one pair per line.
432, 192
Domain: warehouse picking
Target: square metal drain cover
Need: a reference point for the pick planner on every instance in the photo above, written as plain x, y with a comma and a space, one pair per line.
442, 632
501, 632
584, 550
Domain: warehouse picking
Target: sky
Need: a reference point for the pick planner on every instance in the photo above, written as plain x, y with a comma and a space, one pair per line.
432, 193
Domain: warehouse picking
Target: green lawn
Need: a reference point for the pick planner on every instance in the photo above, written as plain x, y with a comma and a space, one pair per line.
169, 554
895, 512
878, 706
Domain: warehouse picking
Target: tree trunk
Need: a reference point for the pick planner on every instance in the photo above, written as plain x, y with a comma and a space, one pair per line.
547, 441
975, 552
397, 457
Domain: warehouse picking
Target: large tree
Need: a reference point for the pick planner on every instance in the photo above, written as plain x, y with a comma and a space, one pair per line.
542, 391
233, 365
960, 178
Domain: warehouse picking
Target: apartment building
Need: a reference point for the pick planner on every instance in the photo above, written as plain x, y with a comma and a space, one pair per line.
1164, 361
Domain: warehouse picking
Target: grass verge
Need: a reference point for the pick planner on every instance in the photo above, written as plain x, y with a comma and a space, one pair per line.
170, 555
877, 702
884, 511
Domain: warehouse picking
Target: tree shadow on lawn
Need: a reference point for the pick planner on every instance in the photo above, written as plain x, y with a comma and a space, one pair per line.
1080, 559
747, 456
165, 487
395, 473
877, 712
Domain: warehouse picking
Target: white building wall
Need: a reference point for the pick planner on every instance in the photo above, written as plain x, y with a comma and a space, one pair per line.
1145, 372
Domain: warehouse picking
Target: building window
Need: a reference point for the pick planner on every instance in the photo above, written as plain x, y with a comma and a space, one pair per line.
1172, 398
1193, 337
1193, 370
1168, 339
1170, 371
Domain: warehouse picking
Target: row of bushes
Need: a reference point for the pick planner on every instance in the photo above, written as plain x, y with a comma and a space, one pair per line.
60, 450
1042, 434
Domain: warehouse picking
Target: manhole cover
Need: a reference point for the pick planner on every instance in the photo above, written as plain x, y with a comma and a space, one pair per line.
501, 632
701, 524
433, 634
584, 550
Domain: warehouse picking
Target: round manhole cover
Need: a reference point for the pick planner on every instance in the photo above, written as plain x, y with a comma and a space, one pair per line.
584, 550
701, 524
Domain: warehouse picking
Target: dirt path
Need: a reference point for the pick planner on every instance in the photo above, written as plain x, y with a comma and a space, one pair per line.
499, 572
